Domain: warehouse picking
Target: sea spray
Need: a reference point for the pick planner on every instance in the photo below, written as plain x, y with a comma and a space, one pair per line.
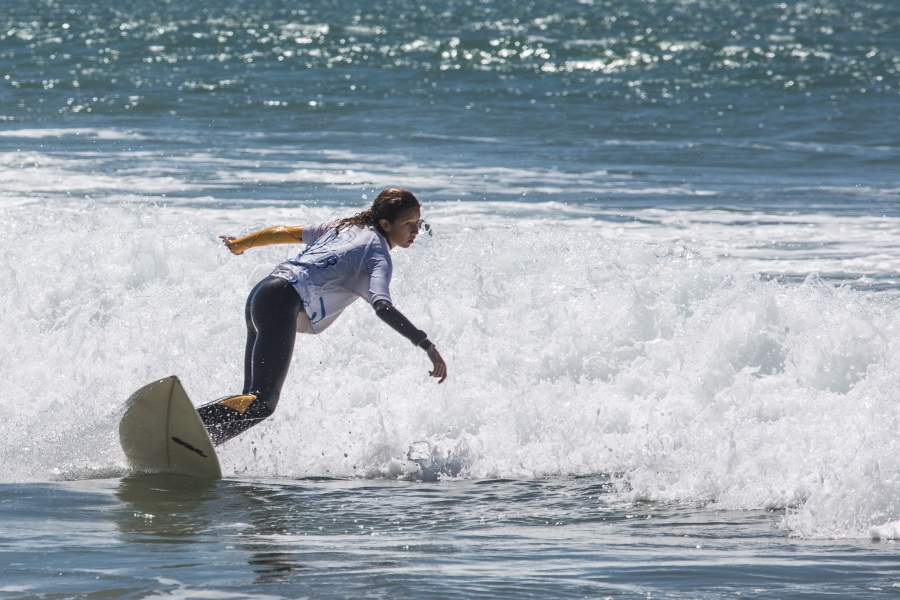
569, 354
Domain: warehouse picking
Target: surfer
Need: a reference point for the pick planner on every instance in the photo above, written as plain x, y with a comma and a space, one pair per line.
343, 260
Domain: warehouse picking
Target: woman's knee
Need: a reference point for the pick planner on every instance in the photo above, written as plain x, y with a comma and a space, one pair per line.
231, 416
264, 405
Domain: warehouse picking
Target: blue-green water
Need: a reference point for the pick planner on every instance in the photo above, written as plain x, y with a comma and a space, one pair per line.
664, 276
748, 104
174, 537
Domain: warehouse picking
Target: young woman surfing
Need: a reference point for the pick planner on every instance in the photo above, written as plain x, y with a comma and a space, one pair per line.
344, 260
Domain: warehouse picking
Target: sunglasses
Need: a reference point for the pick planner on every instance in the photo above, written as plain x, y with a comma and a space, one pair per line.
421, 224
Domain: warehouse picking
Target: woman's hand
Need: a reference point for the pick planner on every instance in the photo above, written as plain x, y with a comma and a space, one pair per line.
228, 240
440, 367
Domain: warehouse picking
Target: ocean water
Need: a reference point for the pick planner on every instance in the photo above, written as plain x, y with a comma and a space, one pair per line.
664, 275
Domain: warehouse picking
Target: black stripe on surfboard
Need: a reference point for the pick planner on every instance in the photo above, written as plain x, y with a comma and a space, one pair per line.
188, 446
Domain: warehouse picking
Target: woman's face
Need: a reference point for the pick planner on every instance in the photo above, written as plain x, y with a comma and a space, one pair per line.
403, 230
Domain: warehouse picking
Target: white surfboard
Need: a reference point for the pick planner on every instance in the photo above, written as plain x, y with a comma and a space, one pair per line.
161, 432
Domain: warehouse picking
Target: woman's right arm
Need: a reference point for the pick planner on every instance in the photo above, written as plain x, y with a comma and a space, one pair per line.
265, 237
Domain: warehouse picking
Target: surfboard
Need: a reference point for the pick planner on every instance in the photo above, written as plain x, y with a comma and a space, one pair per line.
161, 432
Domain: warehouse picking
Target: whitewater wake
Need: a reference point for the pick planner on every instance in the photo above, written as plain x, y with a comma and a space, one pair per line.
569, 354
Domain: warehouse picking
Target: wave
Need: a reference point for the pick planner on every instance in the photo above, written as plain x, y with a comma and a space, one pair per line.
844, 243
100, 134
569, 354
127, 171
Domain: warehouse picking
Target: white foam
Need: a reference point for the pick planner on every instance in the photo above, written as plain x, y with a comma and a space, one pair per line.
861, 250
100, 134
135, 171
31, 175
569, 353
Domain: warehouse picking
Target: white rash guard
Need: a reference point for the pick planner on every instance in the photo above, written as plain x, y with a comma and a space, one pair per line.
336, 269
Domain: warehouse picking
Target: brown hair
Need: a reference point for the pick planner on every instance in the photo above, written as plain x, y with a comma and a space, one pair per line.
388, 205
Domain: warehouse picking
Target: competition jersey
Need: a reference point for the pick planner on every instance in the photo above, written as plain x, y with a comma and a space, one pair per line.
336, 269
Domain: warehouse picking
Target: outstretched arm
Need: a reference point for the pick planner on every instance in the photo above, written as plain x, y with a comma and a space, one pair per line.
393, 317
265, 237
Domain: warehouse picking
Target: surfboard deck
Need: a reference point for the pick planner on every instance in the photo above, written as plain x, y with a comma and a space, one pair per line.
161, 432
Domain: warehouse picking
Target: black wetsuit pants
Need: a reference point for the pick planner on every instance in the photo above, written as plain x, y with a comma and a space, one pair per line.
271, 313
